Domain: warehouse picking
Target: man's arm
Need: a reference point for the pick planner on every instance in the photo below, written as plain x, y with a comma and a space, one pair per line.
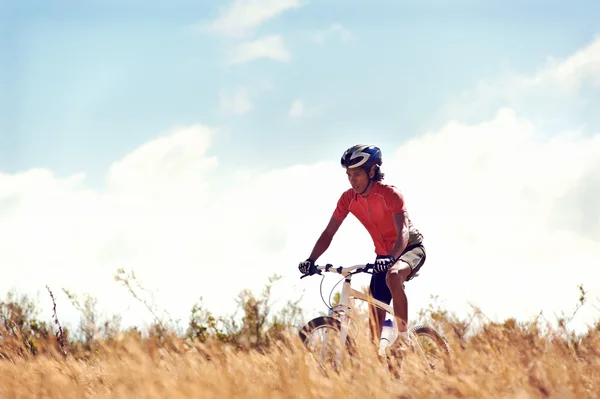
325, 238
402, 236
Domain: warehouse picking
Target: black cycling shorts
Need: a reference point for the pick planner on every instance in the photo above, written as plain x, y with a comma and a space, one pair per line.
414, 255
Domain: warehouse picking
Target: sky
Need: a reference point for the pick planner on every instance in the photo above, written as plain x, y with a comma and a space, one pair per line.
198, 144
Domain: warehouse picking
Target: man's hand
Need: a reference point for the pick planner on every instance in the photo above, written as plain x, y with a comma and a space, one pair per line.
306, 266
383, 264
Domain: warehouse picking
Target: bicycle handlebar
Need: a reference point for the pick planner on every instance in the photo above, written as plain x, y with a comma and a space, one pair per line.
316, 269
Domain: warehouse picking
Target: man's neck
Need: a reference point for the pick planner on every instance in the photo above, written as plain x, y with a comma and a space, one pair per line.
370, 189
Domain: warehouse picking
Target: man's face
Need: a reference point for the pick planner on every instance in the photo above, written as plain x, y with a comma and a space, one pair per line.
358, 179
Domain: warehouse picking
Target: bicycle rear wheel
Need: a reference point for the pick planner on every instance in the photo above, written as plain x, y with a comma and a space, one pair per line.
430, 345
426, 346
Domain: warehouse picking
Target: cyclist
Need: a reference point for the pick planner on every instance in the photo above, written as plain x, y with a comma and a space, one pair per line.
382, 211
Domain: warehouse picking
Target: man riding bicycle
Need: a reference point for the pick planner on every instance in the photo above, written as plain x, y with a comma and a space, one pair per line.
382, 211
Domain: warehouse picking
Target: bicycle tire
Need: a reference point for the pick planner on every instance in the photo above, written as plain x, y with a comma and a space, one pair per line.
441, 343
323, 321
422, 329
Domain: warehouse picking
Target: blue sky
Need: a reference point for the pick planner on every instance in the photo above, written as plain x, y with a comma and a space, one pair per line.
486, 113
85, 85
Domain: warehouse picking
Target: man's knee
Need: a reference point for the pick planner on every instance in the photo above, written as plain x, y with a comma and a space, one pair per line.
397, 275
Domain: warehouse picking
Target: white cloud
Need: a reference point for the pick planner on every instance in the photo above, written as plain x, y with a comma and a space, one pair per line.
552, 94
509, 216
270, 47
149, 216
244, 16
299, 109
334, 30
240, 104
581, 68
296, 109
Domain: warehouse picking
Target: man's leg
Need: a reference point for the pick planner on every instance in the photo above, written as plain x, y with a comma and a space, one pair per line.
409, 263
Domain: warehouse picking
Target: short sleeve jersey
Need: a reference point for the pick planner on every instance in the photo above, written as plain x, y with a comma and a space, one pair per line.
376, 213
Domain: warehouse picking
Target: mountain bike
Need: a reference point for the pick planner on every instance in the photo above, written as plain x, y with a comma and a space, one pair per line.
339, 317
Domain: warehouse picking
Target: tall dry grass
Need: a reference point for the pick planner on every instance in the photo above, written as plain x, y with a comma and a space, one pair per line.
263, 358
507, 360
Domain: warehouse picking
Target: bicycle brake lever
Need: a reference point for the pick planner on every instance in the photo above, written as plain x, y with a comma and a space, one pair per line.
306, 275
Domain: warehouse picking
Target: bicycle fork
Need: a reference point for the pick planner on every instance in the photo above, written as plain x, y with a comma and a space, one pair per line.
343, 310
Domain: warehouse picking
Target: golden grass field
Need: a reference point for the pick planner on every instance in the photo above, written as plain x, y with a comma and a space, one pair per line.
501, 361
262, 357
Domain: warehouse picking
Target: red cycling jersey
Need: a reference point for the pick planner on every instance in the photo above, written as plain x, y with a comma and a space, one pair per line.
376, 212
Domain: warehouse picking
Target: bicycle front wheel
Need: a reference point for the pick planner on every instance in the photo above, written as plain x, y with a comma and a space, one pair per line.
326, 347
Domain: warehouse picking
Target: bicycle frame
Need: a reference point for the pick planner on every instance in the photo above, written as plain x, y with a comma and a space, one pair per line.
344, 309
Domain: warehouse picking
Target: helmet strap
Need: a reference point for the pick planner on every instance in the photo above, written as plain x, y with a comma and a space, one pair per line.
370, 181
366, 188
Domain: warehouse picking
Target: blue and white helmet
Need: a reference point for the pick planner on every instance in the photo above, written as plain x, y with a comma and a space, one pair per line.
366, 156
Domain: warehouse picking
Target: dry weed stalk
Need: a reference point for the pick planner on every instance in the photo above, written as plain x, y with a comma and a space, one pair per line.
60, 337
131, 282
